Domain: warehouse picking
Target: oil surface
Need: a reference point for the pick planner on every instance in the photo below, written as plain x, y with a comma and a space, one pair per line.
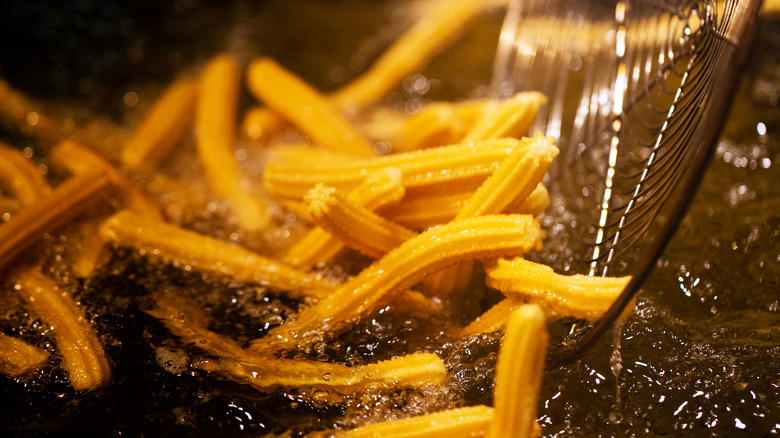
700, 355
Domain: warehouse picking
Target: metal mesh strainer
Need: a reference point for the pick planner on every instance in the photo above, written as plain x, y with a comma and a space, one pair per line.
638, 90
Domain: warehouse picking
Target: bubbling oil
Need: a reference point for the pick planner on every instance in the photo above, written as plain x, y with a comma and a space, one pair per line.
698, 354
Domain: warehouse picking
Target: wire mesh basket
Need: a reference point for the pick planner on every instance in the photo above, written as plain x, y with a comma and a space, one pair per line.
638, 91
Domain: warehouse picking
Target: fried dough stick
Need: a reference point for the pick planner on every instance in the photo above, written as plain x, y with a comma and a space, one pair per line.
260, 122
267, 373
163, 127
377, 190
18, 357
468, 422
446, 169
493, 319
581, 296
508, 118
187, 248
440, 123
305, 107
215, 128
527, 282
519, 374
518, 378
408, 53
423, 211
264, 374
21, 177
84, 359
68, 200
401, 268
80, 159
516, 177
353, 224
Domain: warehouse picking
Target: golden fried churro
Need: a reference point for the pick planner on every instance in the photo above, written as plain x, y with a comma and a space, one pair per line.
21, 176
493, 319
187, 248
305, 107
260, 122
420, 42
519, 374
303, 153
577, 295
91, 252
508, 118
441, 123
353, 224
66, 201
80, 159
379, 189
420, 211
468, 422
215, 128
84, 359
18, 357
267, 373
447, 169
518, 379
429, 251
535, 203
163, 127
516, 177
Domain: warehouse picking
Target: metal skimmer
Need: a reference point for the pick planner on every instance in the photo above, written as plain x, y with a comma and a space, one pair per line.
638, 91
